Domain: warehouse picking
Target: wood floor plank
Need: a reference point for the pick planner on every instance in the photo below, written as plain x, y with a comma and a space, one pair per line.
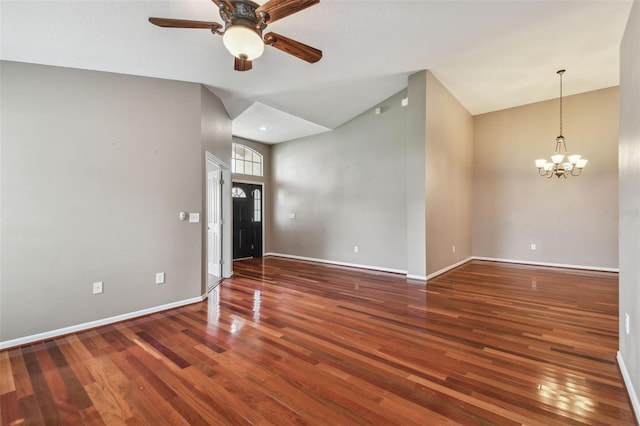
20, 374
69, 345
109, 389
29, 412
62, 394
46, 403
293, 342
9, 408
108, 408
71, 382
7, 383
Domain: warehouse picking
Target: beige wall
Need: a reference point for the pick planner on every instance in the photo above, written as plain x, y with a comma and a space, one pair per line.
95, 168
571, 221
346, 188
629, 160
449, 172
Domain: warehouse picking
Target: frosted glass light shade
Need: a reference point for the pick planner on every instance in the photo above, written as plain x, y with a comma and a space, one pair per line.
581, 163
548, 166
240, 40
573, 159
557, 158
540, 163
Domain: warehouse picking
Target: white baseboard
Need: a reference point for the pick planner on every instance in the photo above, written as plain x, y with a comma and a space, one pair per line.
417, 277
448, 268
333, 262
92, 324
554, 265
445, 269
375, 268
633, 396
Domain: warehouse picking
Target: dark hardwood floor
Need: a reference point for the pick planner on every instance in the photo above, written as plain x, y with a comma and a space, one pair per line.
289, 342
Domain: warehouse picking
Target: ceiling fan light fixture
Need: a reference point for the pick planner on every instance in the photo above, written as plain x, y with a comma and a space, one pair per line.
241, 40
245, 22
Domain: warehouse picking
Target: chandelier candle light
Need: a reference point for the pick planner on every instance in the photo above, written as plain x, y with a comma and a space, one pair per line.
558, 166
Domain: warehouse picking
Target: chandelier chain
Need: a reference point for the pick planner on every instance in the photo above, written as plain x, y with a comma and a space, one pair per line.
561, 72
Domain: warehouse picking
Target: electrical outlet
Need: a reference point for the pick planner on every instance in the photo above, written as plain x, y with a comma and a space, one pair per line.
97, 287
160, 278
453, 249
355, 249
533, 247
626, 323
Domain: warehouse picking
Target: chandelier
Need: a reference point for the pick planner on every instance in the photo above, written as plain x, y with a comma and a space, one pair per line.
558, 166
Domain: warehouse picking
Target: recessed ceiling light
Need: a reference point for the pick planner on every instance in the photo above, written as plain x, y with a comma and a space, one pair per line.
263, 128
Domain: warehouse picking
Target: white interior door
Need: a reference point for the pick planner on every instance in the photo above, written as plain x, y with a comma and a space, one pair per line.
214, 222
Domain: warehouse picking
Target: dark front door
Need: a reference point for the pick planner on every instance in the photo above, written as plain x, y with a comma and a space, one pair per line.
247, 220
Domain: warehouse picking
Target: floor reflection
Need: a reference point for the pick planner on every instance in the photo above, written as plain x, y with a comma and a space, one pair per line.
213, 304
236, 325
257, 300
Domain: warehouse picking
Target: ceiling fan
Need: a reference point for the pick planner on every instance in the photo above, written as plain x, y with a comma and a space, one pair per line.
244, 23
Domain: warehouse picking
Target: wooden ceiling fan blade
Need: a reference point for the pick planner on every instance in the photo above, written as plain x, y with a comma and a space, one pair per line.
292, 47
227, 2
184, 23
278, 9
242, 64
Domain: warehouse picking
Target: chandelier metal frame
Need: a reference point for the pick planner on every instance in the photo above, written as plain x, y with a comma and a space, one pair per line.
557, 166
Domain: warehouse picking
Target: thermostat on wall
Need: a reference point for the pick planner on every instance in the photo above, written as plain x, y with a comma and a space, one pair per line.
194, 217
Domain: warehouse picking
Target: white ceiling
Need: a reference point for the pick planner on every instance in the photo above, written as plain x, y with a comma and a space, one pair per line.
491, 55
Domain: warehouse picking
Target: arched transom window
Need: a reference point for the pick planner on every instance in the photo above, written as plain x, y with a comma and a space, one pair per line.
238, 192
246, 160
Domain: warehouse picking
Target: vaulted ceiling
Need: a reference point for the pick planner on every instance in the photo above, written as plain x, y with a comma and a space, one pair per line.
490, 55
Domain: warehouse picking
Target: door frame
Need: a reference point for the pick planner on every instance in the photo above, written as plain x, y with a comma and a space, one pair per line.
264, 200
214, 163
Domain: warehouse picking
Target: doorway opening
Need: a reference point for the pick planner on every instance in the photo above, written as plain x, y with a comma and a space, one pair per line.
248, 216
217, 239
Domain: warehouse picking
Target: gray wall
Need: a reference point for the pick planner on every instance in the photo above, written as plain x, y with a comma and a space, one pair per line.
397, 185
95, 168
416, 263
346, 188
449, 173
629, 160
215, 128
571, 221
